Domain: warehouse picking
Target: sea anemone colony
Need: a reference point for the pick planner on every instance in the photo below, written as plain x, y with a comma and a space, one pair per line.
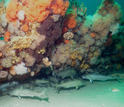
53, 33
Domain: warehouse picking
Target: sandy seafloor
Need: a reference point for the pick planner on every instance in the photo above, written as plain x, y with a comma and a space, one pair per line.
98, 94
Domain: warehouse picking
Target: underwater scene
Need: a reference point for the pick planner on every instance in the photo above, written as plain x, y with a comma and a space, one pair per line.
61, 53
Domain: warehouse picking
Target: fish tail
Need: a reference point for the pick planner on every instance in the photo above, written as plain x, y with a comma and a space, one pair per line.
43, 95
43, 92
56, 87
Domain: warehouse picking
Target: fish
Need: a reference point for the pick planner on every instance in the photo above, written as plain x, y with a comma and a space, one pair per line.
54, 79
42, 82
30, 94
119, 75
92, 77
8, 85
66, 73
76, 83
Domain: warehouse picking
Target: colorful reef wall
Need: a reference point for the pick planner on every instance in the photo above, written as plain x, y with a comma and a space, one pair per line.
55, 34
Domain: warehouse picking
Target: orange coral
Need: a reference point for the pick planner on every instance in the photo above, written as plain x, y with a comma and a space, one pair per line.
25, 27
36, 10
7, 36
64, 29
12, 71
1, 54
60, 7
93, 35
70, 22
12, 9
66, 41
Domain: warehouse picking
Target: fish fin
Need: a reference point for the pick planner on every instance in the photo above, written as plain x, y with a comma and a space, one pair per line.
91, 81
43, 95
21, 87
63, 77
43, 92
56, 87
77, 87
118, 80
19, 97
72, 77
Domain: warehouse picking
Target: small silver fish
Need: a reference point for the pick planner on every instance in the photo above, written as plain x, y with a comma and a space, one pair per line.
26, 93
99, 77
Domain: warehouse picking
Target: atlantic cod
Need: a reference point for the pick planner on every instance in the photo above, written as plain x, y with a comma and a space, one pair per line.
3, 87
76, 83
26, 93
92, 77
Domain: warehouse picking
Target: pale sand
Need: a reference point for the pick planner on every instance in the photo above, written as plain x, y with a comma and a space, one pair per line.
98, 94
